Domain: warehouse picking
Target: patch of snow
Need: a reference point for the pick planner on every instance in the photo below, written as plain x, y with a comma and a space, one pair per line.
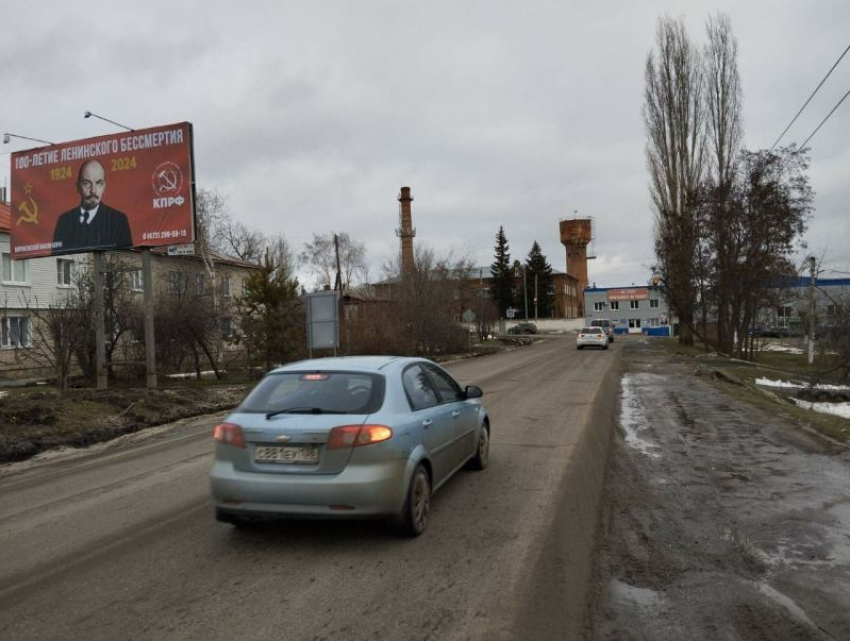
789, 604
836, 409
204, 374
633, 419
766, 382
2, 394
771, 347
643, 597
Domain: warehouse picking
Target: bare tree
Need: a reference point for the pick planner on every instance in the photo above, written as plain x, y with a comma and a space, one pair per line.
725, 131
764, 207
188, 318
122, 313
674, 116
56, 331
416, 312
320, 257
723, 97
834, 336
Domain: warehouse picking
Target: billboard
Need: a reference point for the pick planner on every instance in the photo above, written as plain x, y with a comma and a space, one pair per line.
633, 293
133, 189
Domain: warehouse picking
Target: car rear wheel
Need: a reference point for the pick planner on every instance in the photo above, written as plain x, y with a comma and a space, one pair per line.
414, 517
236, 521
482, 452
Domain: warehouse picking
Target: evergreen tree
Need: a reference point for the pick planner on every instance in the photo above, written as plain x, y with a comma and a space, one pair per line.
271, 314
502, 274
537, 266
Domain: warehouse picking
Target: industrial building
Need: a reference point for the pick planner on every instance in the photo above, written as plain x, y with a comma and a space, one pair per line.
567, 287
633, 310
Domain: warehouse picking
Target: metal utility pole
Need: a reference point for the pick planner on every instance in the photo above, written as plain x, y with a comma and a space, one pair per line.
813, 270
338, 285
100, 322
535, 297
150, 342
525, 291
480, 302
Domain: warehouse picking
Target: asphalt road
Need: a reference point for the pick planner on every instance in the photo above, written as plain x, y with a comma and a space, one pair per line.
121, 543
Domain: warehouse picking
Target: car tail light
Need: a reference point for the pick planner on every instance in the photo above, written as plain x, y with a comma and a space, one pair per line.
229, 434
357, 435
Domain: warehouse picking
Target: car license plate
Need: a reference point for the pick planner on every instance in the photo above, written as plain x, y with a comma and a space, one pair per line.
296, 455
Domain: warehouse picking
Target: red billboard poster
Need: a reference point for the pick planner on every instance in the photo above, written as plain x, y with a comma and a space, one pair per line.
133, 189
633, 293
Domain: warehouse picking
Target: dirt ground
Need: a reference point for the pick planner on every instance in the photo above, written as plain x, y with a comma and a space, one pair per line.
33, 420
721, 521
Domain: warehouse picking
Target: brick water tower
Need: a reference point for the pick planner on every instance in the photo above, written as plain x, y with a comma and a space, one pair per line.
576, 235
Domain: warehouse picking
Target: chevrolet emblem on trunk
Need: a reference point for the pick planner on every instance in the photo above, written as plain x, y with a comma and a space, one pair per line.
283, 438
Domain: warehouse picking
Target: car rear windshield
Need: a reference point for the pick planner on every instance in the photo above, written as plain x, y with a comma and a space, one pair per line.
316, 393
591, 330
600, 323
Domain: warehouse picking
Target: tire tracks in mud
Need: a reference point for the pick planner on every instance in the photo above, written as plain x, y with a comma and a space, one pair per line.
719, 520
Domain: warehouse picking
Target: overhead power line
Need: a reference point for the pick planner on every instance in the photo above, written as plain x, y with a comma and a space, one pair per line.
806, 104
824, 120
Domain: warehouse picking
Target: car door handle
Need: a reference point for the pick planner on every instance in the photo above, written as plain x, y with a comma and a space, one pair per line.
427, 422
456, 413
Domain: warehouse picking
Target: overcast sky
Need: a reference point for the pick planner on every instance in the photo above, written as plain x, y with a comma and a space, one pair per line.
309, 115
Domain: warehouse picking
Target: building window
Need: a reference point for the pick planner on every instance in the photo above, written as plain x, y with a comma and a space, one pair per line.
634, 323
14, 272
634, 304
137, 281
65, 271
176, 283
654, 322
199, 284
226, 326
598, 307
15, 332
225, 287
783, 315
830, 310
653, 303
615, 304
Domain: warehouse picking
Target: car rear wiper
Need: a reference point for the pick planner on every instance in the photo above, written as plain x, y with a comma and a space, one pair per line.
305, 409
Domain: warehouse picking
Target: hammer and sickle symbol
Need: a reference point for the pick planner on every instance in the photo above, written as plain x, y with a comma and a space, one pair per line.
29, 212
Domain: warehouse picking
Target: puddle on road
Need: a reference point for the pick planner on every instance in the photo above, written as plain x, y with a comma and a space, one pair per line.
633, 417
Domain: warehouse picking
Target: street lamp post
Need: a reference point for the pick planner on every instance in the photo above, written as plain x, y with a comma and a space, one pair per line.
89, 114
7, 138
517, 267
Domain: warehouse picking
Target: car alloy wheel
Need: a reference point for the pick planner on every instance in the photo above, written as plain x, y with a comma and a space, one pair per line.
482, 452
418, 503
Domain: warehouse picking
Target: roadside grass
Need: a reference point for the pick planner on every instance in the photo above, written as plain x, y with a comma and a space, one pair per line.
33, 420
835, 427
38, 418
774, 366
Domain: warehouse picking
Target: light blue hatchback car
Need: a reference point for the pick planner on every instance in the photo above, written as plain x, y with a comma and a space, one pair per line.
351, 437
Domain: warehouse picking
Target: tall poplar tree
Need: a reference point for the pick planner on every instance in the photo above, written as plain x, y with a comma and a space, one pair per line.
502, 273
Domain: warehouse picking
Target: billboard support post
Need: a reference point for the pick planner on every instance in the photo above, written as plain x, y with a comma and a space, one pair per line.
150, 344
100, 322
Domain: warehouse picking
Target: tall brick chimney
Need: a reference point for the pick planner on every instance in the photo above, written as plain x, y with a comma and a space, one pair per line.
406, 231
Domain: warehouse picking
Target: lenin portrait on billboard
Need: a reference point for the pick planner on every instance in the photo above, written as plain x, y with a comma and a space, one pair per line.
92, 224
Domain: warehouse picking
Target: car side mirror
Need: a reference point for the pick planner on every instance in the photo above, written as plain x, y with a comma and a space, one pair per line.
472, 391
